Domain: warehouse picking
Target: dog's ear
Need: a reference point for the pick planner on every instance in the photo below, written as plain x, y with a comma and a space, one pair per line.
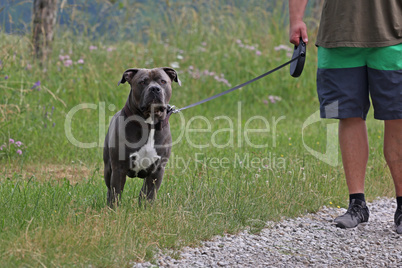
172, 74
128, 75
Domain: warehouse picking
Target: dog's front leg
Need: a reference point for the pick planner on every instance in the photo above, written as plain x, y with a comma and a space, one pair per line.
151, 185
118, 179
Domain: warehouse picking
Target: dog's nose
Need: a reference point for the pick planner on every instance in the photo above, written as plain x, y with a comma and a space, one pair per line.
155, 89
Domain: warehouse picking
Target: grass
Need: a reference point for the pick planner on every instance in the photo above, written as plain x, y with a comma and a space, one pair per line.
52, 197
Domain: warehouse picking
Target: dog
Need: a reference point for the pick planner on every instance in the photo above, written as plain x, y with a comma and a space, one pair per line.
138, 141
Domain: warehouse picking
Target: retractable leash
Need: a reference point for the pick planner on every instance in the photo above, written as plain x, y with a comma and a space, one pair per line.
296, 68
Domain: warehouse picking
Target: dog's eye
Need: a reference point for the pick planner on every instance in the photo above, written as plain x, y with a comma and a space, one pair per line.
142, 82
163, 81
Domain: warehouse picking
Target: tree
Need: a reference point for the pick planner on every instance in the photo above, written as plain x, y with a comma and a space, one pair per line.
44, 20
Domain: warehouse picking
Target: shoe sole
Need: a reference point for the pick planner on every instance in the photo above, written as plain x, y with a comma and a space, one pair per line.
342, 226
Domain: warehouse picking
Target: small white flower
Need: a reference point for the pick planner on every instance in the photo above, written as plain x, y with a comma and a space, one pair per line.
175, 64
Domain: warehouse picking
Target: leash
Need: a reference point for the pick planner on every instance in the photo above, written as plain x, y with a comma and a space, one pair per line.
296, 68
299, 56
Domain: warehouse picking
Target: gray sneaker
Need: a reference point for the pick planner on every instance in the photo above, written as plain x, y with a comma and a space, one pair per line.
398, 220
357, 213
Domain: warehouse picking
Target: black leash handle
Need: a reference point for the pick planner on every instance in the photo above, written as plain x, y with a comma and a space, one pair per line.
236, 87
296, 68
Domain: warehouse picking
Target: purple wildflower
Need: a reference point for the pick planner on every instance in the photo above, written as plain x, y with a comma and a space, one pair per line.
196, 74
18, 143
225, 81
80, 61
283, 47
19, 152
36, 85
92, 48
258, 53
11, 141
6, 77
274, 99
29, 67
68, 63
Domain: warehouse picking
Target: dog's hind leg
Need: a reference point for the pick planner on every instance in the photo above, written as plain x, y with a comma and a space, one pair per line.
107, 173
107, 170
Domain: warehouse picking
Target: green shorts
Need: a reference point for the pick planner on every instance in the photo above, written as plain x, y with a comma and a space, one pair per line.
348, 76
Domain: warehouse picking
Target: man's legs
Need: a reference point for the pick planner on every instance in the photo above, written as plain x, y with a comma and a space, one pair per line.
354, 148
393, 151
393, 156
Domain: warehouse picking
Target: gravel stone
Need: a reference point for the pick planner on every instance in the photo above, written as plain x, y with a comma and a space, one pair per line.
309, 241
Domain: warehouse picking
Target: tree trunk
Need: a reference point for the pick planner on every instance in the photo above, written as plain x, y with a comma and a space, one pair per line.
44, 20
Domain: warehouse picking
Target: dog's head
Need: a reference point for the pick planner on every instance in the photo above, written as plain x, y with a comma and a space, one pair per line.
151, 89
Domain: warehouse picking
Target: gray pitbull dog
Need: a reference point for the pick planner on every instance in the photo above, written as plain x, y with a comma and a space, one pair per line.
138, 142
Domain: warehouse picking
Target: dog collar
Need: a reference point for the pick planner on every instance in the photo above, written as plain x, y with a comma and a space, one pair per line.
161, 124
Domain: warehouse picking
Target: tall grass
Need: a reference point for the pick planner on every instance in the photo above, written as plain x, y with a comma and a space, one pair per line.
53, 220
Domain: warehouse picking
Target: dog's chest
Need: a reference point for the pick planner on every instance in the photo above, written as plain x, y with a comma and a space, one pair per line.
146, 155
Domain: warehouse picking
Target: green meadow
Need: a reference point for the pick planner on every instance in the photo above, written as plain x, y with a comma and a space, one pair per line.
237, 161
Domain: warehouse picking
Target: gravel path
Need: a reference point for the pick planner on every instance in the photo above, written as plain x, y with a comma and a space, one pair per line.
308, 241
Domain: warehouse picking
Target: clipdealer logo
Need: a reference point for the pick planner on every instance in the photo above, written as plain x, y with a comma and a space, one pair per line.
330, 156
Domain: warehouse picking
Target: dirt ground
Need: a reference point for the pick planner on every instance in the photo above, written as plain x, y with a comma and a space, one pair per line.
43, 172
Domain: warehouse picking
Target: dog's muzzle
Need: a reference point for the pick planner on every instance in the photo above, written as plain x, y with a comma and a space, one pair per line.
153, 103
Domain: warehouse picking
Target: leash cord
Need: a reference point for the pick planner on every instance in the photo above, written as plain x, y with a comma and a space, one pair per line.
236, 87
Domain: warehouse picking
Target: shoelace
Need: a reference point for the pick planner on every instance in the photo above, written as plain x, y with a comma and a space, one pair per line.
398, 220
357, 211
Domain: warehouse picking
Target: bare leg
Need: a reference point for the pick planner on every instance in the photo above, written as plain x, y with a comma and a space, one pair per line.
354, 148
393, 151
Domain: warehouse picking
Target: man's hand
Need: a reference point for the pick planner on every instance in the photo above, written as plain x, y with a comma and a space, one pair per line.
297, 28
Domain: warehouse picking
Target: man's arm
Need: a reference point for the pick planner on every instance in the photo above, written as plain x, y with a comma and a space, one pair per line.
297, 28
